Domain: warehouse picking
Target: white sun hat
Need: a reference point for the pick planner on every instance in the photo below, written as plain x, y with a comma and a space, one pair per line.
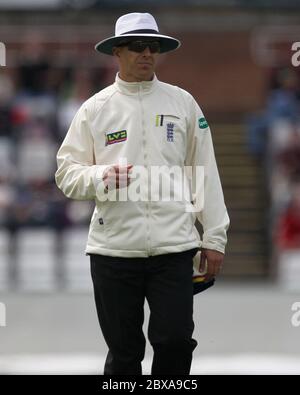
136, 25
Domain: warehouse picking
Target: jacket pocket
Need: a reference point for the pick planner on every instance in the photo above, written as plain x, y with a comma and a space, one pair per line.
171, 224
124, 225
97, 231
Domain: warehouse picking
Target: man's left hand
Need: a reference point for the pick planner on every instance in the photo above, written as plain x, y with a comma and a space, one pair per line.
214, 262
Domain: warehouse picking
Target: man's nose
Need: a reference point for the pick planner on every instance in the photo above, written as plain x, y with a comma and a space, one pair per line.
147, 51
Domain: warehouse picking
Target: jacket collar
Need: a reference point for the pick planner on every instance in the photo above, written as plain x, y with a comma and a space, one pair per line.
132, 88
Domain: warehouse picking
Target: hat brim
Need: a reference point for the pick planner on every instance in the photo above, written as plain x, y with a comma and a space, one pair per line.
167, 43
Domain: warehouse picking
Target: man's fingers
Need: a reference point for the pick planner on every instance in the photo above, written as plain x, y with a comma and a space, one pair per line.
214, 262
203, 263
117, 176
123, 180
121, 169
213, 269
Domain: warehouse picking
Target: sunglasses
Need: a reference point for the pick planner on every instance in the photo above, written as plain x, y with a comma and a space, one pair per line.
140, 46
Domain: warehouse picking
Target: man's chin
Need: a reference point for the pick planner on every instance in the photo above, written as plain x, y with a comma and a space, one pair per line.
146, 76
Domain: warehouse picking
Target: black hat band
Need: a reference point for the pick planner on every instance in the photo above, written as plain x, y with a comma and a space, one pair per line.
142, 31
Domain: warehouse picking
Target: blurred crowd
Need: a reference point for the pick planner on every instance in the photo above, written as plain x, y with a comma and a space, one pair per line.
37, 104
274, 137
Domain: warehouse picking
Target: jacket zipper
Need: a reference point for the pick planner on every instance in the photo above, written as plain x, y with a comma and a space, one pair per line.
146, 163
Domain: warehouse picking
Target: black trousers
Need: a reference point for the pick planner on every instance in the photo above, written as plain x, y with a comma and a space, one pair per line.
120, 288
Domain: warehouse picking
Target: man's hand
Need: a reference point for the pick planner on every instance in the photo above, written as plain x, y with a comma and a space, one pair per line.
214, 262
116, 177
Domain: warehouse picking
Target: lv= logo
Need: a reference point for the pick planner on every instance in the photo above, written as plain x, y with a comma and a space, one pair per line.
115, 137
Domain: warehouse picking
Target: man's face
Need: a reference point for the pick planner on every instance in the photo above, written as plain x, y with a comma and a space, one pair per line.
136, 66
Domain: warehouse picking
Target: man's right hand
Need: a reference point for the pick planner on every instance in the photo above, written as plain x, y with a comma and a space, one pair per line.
116, 176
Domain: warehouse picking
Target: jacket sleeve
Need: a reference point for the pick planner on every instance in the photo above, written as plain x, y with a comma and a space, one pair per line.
200, 152
77, 175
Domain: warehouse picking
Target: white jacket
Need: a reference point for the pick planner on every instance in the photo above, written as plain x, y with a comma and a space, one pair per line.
148, 123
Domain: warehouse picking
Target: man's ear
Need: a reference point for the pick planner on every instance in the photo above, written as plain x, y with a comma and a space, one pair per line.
116, 51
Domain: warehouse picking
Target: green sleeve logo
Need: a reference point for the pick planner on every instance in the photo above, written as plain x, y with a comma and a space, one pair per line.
202, 123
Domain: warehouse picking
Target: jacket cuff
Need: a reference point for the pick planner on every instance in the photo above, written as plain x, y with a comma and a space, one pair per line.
213, 246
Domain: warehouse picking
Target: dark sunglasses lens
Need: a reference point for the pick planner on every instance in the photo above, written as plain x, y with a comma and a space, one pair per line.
136, 46
154, 47
140, 46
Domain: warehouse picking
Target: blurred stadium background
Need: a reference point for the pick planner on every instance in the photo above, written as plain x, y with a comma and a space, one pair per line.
236, 61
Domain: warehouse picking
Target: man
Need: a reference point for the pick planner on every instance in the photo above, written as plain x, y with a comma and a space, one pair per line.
143, 248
